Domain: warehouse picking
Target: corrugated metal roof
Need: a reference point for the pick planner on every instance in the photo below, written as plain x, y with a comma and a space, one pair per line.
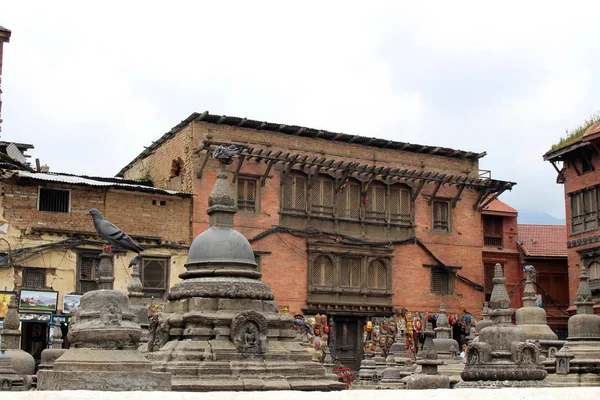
14, 153
86, 181
543, 240
302, 131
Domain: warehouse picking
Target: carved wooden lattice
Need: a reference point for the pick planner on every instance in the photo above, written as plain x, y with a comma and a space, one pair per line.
440, 216
293, 193
246, 194
88, 272
399, 205
375, 208
34, 278
322, 195
377, 275
322, 272
350, 272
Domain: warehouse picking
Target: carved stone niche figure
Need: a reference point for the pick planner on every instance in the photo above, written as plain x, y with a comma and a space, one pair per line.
249, 333
527, 353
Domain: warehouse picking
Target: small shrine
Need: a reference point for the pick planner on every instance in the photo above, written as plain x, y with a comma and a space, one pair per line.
447, 348
502, 357
428, 377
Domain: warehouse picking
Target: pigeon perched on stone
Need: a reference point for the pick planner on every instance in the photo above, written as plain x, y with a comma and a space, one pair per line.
530, 269
113, 235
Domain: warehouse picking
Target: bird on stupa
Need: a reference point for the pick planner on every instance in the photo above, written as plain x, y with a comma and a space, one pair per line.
114, 236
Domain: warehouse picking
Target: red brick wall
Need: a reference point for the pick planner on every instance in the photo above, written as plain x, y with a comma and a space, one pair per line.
133, 212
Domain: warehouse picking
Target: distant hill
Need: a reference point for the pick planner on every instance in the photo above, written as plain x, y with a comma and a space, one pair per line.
538, 217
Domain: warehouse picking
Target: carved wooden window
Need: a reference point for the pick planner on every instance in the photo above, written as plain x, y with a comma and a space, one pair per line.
246, 195
350, 272
584, 210
293, 193
87, 272
375, 207
441, 218
348, 201
154, 274
377, 275
34, 278
441, 281
322, 196
322, 271
54, 200
400, 205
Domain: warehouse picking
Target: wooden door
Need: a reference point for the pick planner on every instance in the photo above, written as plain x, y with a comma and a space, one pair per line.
348, 344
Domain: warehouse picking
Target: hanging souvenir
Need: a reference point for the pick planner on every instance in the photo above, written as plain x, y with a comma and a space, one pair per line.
417, 325
468, 319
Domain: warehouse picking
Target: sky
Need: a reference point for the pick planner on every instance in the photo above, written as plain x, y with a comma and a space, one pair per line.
89, 84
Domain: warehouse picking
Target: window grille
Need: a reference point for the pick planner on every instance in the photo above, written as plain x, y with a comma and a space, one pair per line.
321, 197
440, 281
154, 276
377, 275
399, 203
375, 205
88, 272
293, 193
34, 278
350, 272
54, 200
440, 216
322, 271
246, 194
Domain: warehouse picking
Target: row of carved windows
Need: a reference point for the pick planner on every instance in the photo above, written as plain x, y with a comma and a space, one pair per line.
347, 272
350, 199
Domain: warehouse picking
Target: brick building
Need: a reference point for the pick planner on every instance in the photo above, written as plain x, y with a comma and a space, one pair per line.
545, 247
578, 165
500, 246
341, 224
48, 242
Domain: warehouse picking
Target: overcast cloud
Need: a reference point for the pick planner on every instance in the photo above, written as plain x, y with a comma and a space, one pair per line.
91, 84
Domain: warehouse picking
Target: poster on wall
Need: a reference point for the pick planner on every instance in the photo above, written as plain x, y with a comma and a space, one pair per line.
4, 302
70, 302
38, 301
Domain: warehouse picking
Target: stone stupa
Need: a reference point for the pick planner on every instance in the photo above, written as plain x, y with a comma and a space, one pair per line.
221, 329
532, 319
447, 348
578, 362
501, 357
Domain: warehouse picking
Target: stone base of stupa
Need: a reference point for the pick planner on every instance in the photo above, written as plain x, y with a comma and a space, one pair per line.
500, 384
503, 371
109, 370
573, 379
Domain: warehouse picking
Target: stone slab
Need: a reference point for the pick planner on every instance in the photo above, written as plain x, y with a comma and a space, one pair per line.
103, 381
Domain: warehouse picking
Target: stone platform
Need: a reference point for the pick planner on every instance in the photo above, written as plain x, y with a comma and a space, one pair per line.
581, 393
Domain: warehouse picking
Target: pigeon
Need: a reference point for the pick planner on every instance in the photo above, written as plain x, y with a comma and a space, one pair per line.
530, 269
115, 237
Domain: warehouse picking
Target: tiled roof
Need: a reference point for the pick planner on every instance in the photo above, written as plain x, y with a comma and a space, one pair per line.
497, 206
543, 240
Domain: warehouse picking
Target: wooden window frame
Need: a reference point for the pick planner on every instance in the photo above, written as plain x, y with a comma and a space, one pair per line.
311, 278
585, 206
153, 291
250, 207
80, 256
318, 194
32, 270
295, 194
449, 282
41, 189
436, 222
387, 273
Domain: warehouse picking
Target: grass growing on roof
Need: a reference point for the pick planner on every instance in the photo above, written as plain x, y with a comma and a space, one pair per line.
576, 133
